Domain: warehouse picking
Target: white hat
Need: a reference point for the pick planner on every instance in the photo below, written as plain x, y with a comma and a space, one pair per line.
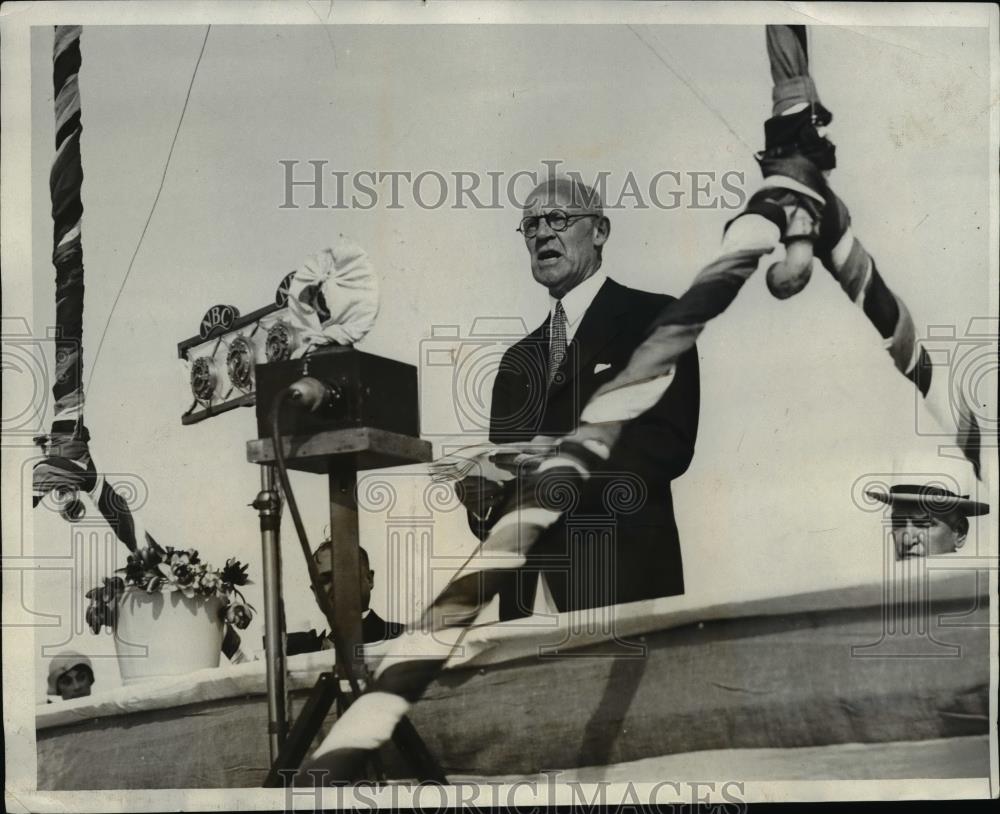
62, 664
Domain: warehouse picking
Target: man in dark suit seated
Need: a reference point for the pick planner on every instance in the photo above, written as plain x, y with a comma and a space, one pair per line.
373, 627
599, 555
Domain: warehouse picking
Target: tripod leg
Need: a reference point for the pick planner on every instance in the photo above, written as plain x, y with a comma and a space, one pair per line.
307, 725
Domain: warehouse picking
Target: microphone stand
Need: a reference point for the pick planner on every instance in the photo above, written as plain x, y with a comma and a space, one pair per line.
268, 506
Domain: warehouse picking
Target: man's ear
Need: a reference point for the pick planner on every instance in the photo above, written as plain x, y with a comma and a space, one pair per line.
602, 231
960, 539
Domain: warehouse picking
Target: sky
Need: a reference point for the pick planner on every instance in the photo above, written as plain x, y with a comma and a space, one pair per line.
799, 400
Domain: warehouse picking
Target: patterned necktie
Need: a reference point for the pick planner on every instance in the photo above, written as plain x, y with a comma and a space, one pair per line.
557, 340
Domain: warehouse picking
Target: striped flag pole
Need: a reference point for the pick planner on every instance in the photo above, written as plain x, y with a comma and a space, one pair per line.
68, 468
65, 183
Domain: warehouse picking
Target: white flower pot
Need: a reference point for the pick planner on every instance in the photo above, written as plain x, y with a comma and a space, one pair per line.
166, 634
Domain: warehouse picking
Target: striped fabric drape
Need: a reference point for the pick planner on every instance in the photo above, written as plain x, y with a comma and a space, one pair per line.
65, 182
68, 468
854, 268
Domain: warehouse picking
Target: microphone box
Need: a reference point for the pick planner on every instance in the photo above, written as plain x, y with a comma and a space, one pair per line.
367, 391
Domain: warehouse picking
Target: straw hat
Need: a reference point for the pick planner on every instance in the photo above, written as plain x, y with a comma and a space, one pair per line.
937, 484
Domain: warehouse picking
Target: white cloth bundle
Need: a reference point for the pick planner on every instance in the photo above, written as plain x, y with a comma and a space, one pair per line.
333, 297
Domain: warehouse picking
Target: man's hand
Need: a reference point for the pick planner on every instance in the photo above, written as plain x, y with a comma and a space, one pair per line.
469, 462
482, 499
483, 476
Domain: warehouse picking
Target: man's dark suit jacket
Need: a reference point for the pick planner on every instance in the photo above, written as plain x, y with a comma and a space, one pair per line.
643, 560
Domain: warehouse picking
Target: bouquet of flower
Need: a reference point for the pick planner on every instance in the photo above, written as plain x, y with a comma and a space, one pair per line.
167, 569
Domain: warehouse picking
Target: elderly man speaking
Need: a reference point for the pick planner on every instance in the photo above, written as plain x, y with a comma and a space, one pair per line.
605, 552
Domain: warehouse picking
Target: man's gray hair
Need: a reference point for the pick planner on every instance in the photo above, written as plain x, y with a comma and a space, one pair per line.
581, 196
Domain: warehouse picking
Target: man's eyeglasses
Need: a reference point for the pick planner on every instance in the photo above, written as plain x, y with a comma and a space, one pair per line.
556, 219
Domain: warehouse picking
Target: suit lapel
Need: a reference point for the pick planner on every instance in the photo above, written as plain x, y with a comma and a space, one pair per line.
529, 369
538, 348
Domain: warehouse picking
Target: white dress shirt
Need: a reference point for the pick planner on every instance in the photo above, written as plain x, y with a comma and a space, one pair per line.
576, 303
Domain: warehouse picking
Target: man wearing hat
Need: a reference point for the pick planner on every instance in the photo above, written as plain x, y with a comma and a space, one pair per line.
928, 520
543, 383
71, 675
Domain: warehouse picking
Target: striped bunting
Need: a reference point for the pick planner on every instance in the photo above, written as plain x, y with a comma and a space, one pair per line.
68, 469
854, 268
65, 182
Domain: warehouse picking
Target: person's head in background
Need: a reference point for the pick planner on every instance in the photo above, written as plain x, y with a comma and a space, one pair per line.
71, 675
928, 521
323, 557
